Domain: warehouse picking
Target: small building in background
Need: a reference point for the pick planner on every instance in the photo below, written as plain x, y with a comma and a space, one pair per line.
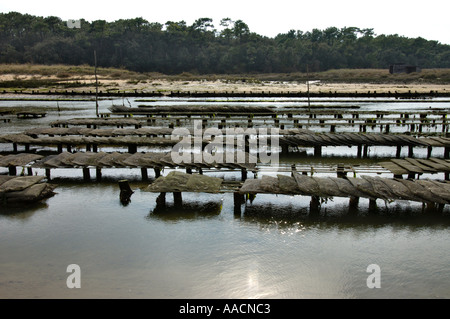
403, 68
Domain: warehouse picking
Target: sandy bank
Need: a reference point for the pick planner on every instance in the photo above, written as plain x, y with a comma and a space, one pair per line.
106, 84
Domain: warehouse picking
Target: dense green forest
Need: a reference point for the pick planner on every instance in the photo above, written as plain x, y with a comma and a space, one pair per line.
201, 48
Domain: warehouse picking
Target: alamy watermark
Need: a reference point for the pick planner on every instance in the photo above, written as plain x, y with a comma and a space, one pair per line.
74, 24
234, 146
74, 279
374, 279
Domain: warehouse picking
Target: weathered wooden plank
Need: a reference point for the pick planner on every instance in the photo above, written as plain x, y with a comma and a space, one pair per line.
394, 168
437, 141
437, 166
442, 162
425, 168
408, 166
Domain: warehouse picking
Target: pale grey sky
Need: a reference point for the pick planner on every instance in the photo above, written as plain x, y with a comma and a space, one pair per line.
411, 18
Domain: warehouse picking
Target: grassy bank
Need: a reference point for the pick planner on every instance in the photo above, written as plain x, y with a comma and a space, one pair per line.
62, 71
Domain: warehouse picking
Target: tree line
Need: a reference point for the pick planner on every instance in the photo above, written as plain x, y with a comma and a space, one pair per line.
201, 48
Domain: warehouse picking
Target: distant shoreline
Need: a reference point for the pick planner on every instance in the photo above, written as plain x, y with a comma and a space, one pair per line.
217, 88
40, 79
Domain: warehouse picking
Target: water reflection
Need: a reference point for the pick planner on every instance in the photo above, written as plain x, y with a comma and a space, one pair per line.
20, 211
294, 215
185, 211
291, 219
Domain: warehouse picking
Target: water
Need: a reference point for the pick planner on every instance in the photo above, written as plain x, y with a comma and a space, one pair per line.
274, 249
129, 252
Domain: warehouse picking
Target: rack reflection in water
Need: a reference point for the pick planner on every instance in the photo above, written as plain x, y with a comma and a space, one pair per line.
186, 211
266, 208
400, 213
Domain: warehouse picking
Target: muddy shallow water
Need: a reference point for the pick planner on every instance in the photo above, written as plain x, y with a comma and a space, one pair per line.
274, 249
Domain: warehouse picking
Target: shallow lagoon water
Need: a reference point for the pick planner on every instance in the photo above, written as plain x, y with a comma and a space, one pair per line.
274, 249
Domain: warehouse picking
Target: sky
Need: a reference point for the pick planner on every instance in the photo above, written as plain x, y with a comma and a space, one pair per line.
412, 18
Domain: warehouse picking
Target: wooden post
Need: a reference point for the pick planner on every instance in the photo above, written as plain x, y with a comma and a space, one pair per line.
399, 150
314, 205
359, 151
444, 123
144, 173
247, 144
132, 148
318, 151
332, 128
125, 191
341, 171
96, 83
98, 173
365, 151
161, 200
86, 174
238, 199
410, 151
307, 85
177, 199
429, 150
372, 205
243, 174
293, 170
12, 170
353, 204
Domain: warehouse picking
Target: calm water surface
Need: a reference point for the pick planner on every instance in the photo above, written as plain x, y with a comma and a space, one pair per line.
274, 249
132, 252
